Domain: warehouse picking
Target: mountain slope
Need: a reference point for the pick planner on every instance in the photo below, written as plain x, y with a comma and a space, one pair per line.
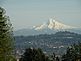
51, 27
53, 24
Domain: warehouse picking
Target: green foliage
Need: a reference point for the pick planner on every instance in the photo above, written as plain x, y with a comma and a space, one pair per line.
73, 53
34, 55
54, 57
6, 40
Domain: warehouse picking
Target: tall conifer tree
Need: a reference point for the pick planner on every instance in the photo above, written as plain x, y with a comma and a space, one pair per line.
6, 40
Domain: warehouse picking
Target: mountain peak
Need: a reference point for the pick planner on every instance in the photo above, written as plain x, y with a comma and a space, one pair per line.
52, 20
49, 27
53, 25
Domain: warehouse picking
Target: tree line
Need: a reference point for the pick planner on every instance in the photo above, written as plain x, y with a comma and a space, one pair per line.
73, 53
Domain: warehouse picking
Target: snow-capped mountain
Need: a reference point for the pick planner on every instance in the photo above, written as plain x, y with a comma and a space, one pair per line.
51, 27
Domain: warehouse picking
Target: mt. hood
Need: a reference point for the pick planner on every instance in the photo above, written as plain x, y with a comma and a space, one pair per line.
51, 27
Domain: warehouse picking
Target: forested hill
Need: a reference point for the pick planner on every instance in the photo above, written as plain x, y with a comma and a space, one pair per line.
57, 42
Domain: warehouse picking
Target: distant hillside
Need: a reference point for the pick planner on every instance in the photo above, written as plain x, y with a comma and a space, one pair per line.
57, 42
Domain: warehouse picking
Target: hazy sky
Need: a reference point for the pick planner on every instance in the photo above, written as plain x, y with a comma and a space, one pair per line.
26, 13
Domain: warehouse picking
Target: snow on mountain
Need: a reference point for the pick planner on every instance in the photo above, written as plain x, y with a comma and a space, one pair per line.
40, 27
53, 25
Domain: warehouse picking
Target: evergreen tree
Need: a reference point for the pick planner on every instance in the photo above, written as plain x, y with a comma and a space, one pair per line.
34, 55
53, 57
6, 40
57, 58
73, 53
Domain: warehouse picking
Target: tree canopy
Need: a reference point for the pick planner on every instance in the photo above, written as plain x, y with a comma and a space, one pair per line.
34, 55
6, 39
73, 53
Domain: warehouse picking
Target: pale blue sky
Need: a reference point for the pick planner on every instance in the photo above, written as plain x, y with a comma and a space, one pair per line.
26, 13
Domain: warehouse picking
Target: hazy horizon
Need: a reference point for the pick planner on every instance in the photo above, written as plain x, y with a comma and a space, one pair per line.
26, 13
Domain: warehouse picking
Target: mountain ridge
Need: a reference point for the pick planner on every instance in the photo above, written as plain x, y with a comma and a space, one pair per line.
50, 27
53, 24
